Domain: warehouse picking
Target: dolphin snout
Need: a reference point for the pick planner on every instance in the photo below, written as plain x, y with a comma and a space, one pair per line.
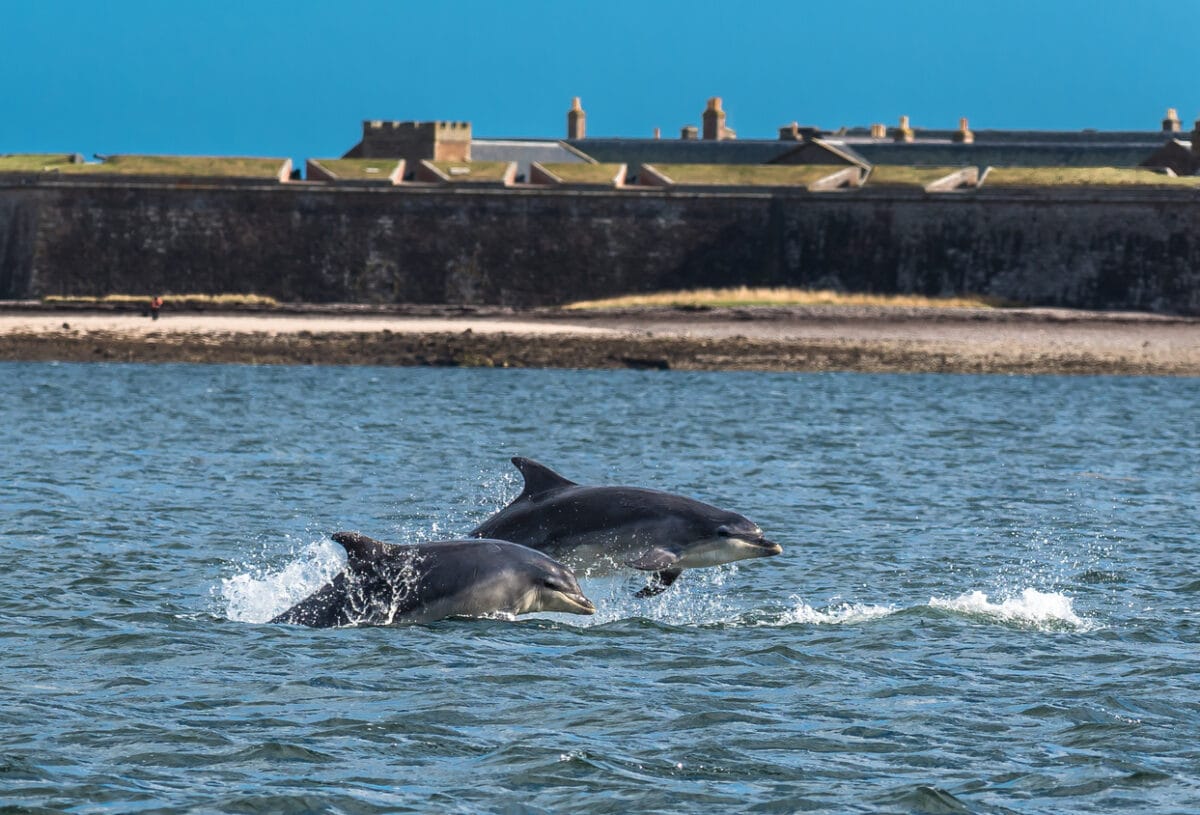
585, 605
770, 547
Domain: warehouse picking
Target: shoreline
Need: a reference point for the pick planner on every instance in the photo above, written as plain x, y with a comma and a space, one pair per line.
809, 338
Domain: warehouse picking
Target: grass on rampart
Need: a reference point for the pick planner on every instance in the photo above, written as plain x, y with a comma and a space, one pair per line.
1084, 177
197, 166
747, 175
473, 170
34, 162
171, 299
886, 175
746, 296
359, 168
583, 173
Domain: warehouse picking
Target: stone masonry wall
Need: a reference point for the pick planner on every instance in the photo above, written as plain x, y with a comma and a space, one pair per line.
541, 247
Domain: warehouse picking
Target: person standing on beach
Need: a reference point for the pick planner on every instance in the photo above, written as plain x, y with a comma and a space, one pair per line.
155, 306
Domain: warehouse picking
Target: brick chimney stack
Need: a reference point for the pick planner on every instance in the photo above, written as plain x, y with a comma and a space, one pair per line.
1171, 124
963, 135
576, 120
714, 120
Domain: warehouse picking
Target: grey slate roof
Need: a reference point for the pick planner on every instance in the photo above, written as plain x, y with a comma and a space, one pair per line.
524, 151
1077, 137
995, 148
813, 151
1011, 154
636, 152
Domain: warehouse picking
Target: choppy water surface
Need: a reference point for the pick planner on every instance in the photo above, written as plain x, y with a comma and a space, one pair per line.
987, 600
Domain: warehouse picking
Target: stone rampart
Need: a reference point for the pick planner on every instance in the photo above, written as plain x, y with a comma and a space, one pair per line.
523, 247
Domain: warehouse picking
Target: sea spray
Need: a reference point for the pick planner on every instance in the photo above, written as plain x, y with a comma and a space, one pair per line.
1033, 608
258, 594
839, 613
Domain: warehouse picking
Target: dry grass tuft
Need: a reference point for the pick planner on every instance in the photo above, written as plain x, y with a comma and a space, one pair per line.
170, 299
746, 296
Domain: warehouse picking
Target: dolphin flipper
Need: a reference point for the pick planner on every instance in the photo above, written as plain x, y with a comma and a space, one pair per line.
662, 562
658, 559
659, 583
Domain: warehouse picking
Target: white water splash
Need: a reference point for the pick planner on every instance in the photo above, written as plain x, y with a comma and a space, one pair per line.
701, 598
1043, 610
256, 596
697, 599
837, 614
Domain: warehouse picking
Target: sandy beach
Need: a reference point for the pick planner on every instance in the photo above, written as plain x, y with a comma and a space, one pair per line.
778, 339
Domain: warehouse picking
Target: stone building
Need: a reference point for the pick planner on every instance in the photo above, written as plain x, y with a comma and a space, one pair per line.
414, 141
716, 143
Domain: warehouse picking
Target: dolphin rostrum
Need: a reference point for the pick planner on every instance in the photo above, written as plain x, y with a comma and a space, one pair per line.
388, 584
603, 527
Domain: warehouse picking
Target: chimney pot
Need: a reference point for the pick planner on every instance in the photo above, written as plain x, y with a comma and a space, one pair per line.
576, 120
1171, 123
963, 134
713, 121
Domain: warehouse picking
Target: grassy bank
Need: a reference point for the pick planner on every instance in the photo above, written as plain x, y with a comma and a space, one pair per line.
749, 175
1085, 177
746, 296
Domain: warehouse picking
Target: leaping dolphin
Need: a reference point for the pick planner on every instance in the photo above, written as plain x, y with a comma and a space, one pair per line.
388, 584
603, 527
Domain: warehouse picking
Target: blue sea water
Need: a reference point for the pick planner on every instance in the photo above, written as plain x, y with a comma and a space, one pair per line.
987, 602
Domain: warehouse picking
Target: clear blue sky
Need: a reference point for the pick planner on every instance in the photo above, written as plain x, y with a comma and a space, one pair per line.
259, 77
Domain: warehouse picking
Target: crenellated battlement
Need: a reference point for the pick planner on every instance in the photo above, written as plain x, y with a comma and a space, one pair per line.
440, 128
414, 141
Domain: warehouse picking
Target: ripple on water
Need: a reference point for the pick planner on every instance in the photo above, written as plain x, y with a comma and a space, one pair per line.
984, 602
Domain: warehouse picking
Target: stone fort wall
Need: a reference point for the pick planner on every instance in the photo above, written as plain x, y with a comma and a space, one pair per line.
543, 247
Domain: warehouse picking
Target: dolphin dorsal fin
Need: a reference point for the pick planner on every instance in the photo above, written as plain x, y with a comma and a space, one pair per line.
539, 479
361, 550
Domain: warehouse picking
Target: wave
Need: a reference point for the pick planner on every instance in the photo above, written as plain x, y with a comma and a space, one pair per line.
835, 614
704, 597
1032, 608
700, 605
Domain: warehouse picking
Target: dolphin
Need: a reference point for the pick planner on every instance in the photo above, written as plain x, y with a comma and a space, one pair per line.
597, 528
389, 584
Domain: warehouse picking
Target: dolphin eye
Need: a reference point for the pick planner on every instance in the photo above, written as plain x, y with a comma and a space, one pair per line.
552, 583
723, 531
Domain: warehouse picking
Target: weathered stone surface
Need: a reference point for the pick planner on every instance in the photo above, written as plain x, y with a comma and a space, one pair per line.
541, 247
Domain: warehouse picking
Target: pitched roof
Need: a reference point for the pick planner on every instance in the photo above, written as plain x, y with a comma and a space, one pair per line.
1013, 154
821, 151
524, 152
857, 135
636, 152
